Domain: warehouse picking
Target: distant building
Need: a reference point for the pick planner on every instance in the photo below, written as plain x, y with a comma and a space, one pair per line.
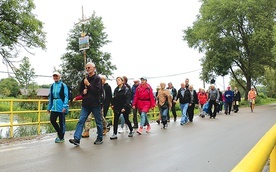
40, 92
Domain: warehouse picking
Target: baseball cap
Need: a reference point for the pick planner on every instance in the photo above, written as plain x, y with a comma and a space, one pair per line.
56, 73
144, 78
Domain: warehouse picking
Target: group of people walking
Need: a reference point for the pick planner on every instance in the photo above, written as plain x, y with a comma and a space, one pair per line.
97, 98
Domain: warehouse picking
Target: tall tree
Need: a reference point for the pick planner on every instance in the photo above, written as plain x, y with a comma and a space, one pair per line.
236, 37
19, 28
9, 87
73, 60
25, 74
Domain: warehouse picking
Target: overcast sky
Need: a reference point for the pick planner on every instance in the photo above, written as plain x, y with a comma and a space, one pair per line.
146, 35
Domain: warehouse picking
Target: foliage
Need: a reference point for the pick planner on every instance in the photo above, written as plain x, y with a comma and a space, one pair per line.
9, 87
19, 28
236, 37
25, 73
73, 59
269, 81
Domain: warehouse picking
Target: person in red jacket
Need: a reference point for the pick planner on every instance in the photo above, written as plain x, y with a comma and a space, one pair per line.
144, 101
202, 98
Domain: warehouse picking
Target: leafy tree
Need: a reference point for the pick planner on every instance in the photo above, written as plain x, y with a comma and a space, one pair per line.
25, 73
236, 37
19, 28
73, 60
269, 81
9, 87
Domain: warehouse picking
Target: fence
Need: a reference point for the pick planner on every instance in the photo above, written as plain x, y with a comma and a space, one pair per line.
257, 157
39, 110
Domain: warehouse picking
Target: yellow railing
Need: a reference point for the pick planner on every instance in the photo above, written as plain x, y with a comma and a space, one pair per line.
258, 156
39, 111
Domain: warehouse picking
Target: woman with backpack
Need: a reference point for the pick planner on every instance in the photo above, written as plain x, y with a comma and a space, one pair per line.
58, 106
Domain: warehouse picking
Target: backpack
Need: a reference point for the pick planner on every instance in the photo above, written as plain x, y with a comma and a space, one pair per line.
61, 93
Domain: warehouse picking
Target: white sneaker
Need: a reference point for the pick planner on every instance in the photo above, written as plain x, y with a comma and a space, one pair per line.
126, 128
120, 130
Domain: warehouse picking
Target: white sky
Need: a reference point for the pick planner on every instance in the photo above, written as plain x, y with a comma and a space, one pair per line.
146, 35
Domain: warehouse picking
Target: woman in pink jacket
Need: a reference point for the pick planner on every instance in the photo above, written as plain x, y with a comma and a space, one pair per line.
144, 101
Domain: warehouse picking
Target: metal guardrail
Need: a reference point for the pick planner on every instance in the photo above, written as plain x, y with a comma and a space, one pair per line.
39, 111
257, 157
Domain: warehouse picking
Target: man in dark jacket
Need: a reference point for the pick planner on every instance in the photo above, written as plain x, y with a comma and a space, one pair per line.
184, 96
91, 90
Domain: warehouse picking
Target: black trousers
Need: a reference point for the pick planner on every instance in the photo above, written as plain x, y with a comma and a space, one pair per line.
116, 120
135, 119
173, 111
60, 128
211, 104
190, 112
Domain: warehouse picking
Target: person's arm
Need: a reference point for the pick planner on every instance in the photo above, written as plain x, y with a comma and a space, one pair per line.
66, 98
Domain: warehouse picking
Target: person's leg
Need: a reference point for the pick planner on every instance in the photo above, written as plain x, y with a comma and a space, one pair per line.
83, 116
53, 119
97, 114
173, 111
164, 116
87, 126
115, 126
192, 109
215, 109
226, 107
135, 120
182, 115
229, 107
61, 126
104, 124
210, 108
126, 117
142, 122
168, 116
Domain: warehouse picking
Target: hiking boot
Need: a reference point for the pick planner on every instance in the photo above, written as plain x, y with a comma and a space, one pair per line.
74, 141
104, 131
148, 128
85, 134
140, 130
98, 141
114, 136
58, 140
130, 134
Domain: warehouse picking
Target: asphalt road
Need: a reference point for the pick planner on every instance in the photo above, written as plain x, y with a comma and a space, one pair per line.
206, 145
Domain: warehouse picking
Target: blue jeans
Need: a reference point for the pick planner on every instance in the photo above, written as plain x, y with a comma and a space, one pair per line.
122, 119
85, 111
184, 108
144, 119
164, 113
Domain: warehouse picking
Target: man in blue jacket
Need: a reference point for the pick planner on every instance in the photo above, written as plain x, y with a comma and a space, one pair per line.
58, 106
228, 100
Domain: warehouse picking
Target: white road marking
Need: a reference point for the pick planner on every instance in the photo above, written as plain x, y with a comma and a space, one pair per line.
11, 149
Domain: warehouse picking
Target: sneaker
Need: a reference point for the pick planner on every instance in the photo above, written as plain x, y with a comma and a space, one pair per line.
114, 136
130, 134
85, 134
98, 141
58, 140
120, 130
148, 128
140, 130
126, 128
158, 122
74, 141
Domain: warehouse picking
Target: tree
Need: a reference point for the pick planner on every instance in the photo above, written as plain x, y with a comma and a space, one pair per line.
19, 28
25, 73
236, 37
73, 60
9, 87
